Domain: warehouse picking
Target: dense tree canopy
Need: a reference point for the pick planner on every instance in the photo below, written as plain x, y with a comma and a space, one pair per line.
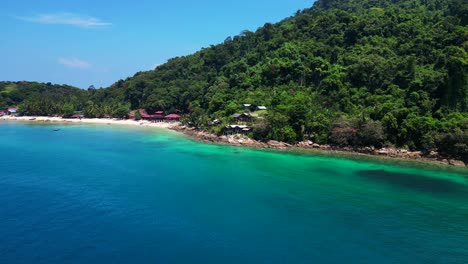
40, 98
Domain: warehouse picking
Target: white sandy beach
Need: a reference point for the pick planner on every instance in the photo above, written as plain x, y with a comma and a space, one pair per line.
106, 121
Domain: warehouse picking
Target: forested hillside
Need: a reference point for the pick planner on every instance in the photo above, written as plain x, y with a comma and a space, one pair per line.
346, 72
45, 99
40, 98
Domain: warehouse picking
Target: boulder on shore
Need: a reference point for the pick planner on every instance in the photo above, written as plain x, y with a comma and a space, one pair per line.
277, 144
305, 144
457, 163
433, 155
383, 151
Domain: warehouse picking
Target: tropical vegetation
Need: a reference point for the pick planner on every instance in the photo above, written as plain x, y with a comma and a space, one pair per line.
345, 72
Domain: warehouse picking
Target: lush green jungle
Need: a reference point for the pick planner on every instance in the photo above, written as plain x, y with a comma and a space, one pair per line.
345, 72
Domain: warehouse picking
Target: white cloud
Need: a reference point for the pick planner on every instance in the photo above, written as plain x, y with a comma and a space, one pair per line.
67, 19
74, 63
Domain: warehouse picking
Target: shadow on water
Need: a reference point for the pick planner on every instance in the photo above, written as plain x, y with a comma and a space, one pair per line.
324, 171
157, 144
415, 182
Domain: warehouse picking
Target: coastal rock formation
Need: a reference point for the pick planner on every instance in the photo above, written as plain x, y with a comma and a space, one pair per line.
278, 145
457, 163
305, 144
433, 155
242, 140
399, 153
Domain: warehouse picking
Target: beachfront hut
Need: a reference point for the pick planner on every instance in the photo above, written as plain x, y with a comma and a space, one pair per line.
2, 113
261, 107
158, 116
227, 130
172, 117
242, 129
237, 129
245, 117
144, 115
12, 111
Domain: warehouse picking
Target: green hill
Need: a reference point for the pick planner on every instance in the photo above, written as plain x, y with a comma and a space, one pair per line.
367, 72
44, 98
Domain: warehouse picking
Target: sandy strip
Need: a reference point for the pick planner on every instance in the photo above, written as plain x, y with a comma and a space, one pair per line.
105, 121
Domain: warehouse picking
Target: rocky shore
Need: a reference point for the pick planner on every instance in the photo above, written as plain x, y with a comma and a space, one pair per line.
241, 140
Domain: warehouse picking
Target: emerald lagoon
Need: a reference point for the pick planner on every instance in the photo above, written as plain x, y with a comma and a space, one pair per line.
113, 194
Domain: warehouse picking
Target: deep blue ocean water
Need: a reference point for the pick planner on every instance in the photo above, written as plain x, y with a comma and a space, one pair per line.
109, 194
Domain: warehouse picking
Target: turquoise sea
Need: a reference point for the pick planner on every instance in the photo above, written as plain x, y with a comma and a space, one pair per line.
109, 194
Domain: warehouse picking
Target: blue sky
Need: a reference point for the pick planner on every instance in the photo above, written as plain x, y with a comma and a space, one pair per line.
99, 42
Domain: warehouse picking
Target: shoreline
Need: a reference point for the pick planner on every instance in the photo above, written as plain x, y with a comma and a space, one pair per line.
305, 147
242, 141
102, 121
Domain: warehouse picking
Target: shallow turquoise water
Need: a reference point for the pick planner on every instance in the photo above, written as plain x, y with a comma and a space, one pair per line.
105, 194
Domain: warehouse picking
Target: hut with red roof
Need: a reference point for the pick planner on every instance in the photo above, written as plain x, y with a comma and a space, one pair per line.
158, 116
172, 117
144, 114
